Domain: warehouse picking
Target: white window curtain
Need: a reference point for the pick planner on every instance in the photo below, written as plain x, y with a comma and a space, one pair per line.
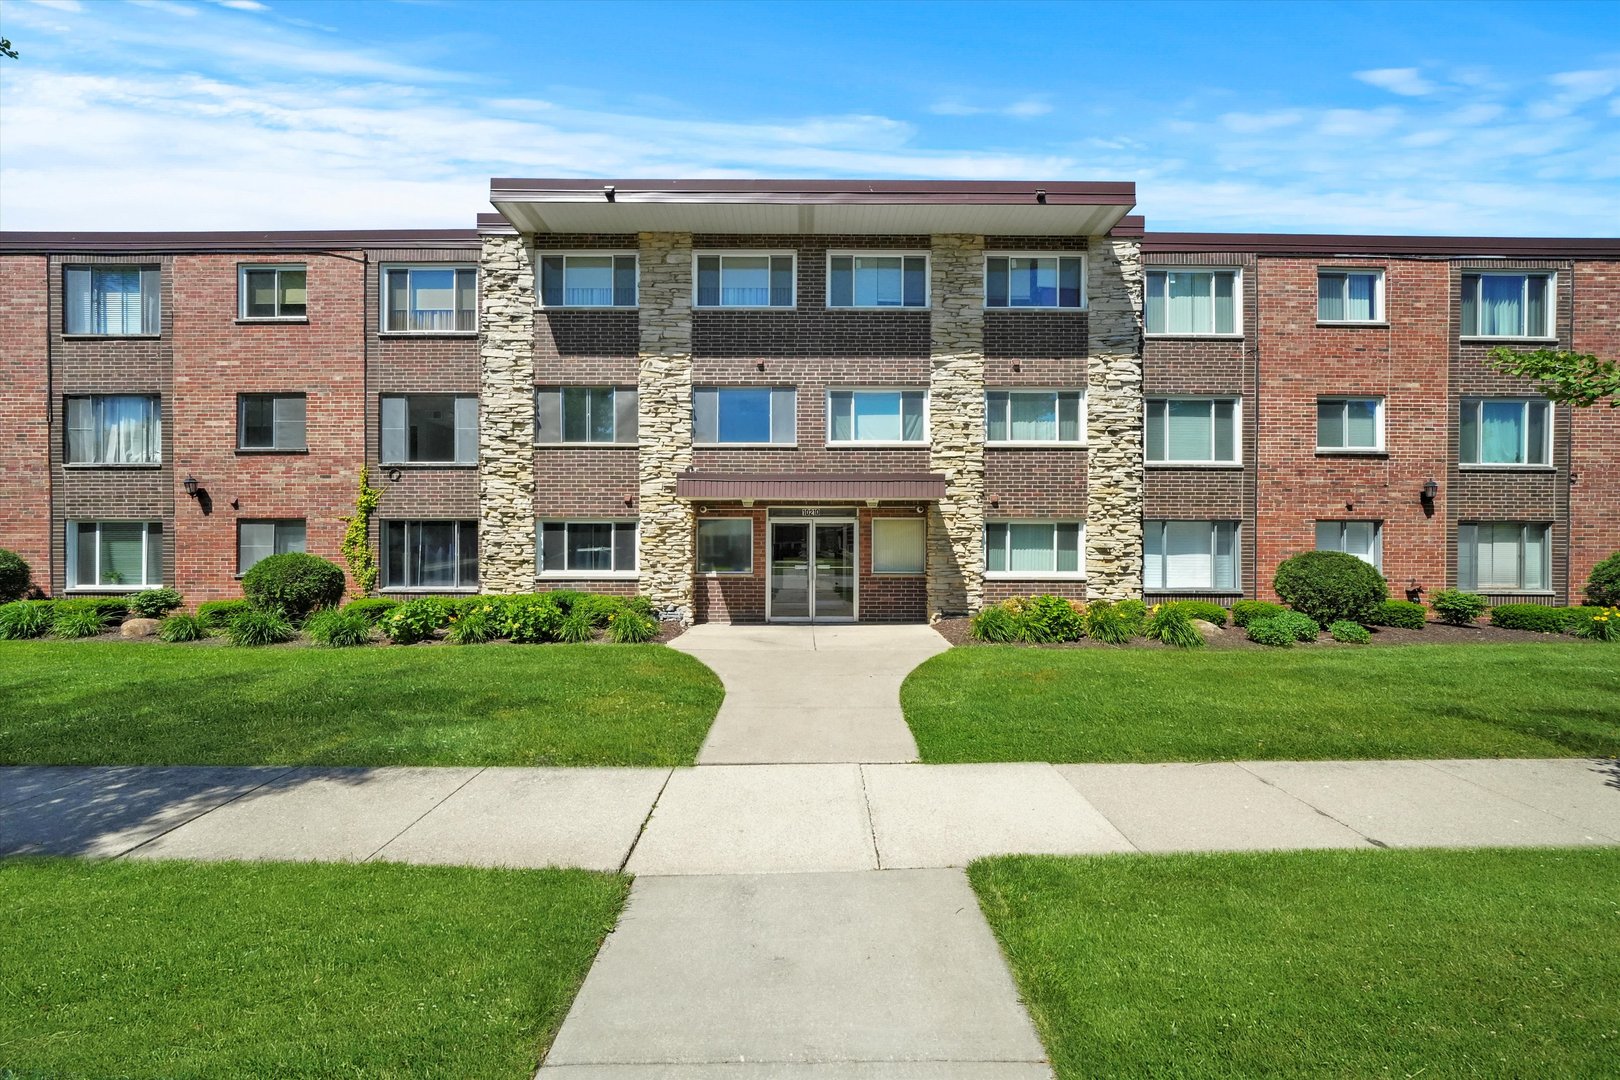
1500, 305
114, 429
898, 545
1190, 555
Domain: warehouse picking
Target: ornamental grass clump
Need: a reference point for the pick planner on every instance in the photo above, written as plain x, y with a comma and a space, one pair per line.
218, 613
338, 629
1245, 612
576, 627
1350, 633
72, 621
1111, 623
154, 603
1403, 614
259, 626
1458, 608
1171, 624
476, 624
628, 627
994, 625
1330, 585
179, 628
25, 619
371, 608
1603, 625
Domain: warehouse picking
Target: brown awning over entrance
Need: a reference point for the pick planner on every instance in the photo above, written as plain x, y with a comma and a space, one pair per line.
812, 487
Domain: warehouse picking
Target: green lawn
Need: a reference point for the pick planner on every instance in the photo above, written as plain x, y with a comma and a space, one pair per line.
1316, 964
113, 703
275, 970
1422, 701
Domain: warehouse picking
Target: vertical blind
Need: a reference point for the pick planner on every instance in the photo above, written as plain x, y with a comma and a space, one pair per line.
745, 281
113, 300
1190, 555
588, 280
1033, 416
257, 540
1502, 556
876, 415
114, 554
1191, 302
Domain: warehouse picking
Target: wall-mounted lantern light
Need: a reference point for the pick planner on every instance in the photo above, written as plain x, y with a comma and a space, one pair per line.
1430, 490
190, 484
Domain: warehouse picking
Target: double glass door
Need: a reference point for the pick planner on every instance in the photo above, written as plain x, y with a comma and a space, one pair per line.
812, 572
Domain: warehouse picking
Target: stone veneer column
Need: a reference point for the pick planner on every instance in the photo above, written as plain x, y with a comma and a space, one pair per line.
1114, 420
956, 425
665, 418
506, 416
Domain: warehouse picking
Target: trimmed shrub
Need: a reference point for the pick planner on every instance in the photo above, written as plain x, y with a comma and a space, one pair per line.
154, 603
994, 624
565, 599
1330, 585
1602, 625
1245, 612
1284, 629
1405, 614
1603, 587
338, 629
1538, 618
1107, 622
1458, 608
577, 627
178, 628
533, 620
77, 622
371, 608
476, 625
416, 620
217, 613
25, 619
641, 606
631, 627
1199, 609
1351, 633
14, 576
1050, 619
1172, 625
112, 609
293, 583
259, 626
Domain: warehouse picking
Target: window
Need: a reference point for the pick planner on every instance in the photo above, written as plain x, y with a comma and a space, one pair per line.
1349, 295
1190, 555
745, 415
1192, 302
114, 429
1502, 557
1034, 281
1192, 430
596, 280
112, 300
877, 416
898, 545
1505, 431
270, 422
1349, 424
121, 555
587, 547
430, 299
430, 554
725, 545
745, 280
429, 429
585, 414
1035, 416
1363, 539
1034, 548
256, 540
271, 292
877, 281
1507, 305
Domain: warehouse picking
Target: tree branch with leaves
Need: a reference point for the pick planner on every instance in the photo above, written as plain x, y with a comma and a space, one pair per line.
1569, 378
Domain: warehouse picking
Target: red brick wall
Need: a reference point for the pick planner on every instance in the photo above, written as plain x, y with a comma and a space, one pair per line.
25, 406
1595, 431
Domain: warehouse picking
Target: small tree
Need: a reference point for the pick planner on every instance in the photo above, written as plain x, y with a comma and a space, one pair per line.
1569, 378
1603, 587
1330, 586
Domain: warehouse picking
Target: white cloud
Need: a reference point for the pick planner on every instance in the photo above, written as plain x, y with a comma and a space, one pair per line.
1408, 82
1023, 109
243, 5
166, 6
1252, 123
60, 5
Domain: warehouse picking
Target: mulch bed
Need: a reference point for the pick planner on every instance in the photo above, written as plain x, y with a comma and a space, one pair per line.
667, 632
956, 632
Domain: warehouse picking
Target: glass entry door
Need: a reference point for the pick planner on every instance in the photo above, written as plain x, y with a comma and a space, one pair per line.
812, 571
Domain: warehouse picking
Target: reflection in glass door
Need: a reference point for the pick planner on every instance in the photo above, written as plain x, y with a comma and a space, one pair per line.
790, 570
834, 579
812, 571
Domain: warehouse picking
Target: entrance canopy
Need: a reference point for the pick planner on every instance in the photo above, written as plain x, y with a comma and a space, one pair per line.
812, 487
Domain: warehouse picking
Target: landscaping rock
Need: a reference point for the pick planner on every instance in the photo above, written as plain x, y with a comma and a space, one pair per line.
1207, 630
138, 628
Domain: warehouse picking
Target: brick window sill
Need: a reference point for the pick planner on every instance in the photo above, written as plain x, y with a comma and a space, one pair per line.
428, 335
298, 321
1327, 451
112, 337
1328, 324
1493, 467
1192, 337
1231, 465
427, 465
76, 465
259, 451
1467, 339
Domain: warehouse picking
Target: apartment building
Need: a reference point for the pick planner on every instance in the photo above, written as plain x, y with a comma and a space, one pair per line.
804, 400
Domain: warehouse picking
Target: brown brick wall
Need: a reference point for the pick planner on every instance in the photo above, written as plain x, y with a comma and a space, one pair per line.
25, 408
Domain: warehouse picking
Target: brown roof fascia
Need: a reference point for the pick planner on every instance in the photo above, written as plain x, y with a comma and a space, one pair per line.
821, 191
184, 242
1322, 244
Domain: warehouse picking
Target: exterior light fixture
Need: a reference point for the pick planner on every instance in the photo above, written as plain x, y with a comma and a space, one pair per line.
190, 484
608, 192
1430, 490
1040, 195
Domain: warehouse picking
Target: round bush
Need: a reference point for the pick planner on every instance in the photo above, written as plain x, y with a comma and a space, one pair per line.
154, 603
178, 628
1349, 632
217, 613
1330, 585
1458, 608
1602, 588
25, 619
259, 626
1050, 619
294, 584
14, 576
1245, 612
338, 629
1284, 629
1405, 614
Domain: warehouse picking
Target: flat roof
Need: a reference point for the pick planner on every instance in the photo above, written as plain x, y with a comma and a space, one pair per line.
1321, 244
248, 241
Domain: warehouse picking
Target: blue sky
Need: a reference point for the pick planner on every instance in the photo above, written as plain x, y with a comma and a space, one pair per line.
1405, 118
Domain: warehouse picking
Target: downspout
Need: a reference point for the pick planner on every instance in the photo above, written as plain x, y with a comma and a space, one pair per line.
50, 443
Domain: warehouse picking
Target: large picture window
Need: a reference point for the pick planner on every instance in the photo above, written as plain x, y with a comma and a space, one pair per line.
1349, 424
877, 281
270, 422
745, 280
271, 292
430, 555
1349, 296
1507, 305
114, 556
597, 280
257, 540
430, 299
1190, 555
1359, 538
573, 548
1505, 431
1192, 431
898, 545
1034, 281
585, 414
1192, 302
1035, 416
118, 301
1035, 548
877, 416
1503, 557
429, 429
725, 545
744, 415
114, 429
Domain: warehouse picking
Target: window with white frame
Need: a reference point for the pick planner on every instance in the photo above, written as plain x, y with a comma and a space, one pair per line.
1034, 548
898, 545
430, 554
589, 548
271, 292
1035, 416
257, 540
745, 280
1505, 431
270, 422
116, 301
1507, 305
877, 281
877, 416
1350, 424
589, 280
1192, 431
123, 556
744, 415
585, 414
725, 545
114, 429
430, 299
1192, 302
1190, 556
1503, 557
1034, 281
429, 429
1363, 539
1349, 296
